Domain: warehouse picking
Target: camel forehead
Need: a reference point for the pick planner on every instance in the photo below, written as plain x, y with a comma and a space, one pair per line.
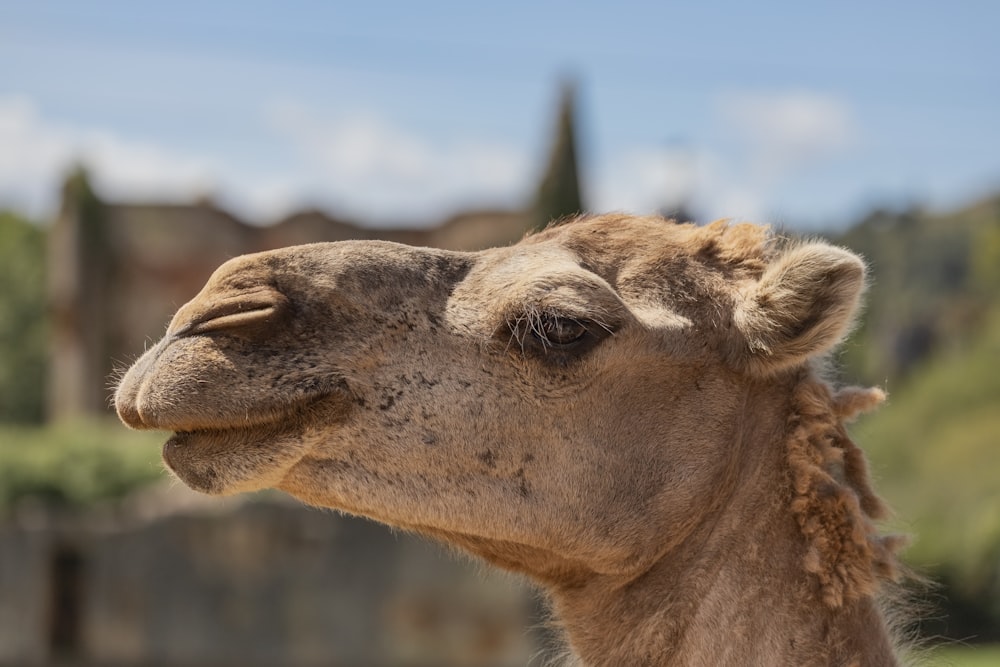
612, 269
505, 269
613, 244
640, 258
505, 283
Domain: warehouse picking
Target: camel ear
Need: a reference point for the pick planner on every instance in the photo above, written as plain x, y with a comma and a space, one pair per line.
802, 306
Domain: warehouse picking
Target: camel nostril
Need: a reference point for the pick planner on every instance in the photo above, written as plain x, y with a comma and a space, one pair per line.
227, 320
128, 410
235, 312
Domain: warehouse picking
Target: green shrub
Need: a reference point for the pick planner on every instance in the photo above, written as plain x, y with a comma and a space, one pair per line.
75, 464
23, 324
966, 656
934, 449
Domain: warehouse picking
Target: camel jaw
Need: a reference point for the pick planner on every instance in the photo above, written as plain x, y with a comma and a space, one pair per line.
238, 456
233, 460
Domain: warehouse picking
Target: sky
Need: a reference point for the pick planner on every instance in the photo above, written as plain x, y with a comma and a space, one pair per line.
401, 113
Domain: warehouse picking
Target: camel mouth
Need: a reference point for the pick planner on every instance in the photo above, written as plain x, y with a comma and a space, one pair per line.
263, 418
193, 437
221, 461
221, 458
210, 443
236, 435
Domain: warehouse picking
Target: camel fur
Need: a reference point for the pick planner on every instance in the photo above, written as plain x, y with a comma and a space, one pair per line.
627, 410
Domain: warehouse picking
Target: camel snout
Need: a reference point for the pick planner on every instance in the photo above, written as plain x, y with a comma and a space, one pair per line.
127, 393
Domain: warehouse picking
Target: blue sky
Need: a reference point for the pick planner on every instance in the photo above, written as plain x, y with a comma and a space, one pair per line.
803, 114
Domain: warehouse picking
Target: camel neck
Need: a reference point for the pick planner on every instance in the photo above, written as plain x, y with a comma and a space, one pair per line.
741, 601
734, 593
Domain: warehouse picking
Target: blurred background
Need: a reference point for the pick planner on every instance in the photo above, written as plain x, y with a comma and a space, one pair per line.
141, 145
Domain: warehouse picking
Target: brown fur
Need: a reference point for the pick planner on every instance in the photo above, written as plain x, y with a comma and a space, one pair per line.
624, 409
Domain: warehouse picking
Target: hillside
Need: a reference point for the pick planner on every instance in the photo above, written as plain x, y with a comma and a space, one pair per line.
934, 449
935, 277
931, 336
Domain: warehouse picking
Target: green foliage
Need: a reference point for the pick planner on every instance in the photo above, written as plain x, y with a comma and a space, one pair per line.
986, 256
933, 279
934, 449
23, 324
931, 337
965, 656
75, 464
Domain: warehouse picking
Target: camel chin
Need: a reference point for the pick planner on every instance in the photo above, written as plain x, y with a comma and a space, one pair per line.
233, 460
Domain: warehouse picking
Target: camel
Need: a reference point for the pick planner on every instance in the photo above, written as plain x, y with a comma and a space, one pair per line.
630, 411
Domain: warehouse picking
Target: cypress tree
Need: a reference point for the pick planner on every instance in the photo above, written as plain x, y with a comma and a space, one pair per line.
558, 194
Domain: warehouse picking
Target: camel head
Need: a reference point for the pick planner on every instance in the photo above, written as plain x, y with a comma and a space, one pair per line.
564, 406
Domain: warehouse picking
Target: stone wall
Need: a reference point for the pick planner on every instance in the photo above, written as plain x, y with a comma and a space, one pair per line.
260, 582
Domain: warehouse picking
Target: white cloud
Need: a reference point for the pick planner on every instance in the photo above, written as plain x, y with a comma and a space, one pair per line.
128, 169
364, 166
665, 180
778, 136
37, 153
787, 130
358, 164
30, 155
388, 173
648, 180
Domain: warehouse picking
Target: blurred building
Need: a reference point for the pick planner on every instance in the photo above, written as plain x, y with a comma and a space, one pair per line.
119, 271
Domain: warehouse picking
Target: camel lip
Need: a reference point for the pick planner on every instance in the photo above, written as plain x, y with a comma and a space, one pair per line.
261, 425
191, 455
263, 419
208, 432
195, 437
263, 416
203, 458
237, 430
185, 443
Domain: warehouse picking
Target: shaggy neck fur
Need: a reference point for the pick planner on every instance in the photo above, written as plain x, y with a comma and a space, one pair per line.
784, 572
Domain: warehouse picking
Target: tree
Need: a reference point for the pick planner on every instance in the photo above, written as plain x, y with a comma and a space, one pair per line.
558, 193
23, 320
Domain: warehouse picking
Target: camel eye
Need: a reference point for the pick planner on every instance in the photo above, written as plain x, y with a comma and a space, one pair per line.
559, 331
554, 338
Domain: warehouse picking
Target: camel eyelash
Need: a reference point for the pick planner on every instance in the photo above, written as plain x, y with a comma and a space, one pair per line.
552, 335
